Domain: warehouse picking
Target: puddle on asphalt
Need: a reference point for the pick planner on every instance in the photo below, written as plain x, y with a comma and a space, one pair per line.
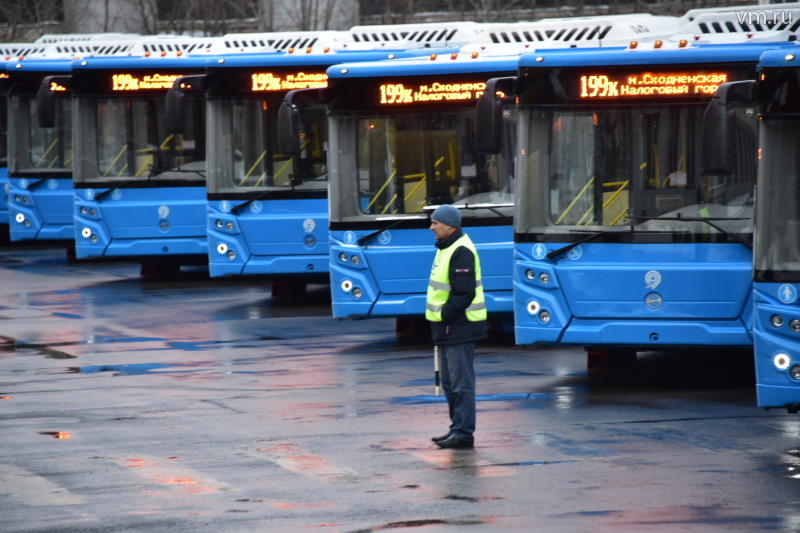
134, 369
11, 345
57, 434
422, 523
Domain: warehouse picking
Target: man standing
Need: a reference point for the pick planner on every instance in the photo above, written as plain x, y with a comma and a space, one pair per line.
456, 309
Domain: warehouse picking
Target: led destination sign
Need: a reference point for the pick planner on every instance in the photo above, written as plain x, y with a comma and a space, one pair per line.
621, 85
156, 81
429, 92
287, 81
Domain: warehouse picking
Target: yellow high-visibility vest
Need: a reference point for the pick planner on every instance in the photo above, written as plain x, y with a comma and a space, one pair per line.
439, 284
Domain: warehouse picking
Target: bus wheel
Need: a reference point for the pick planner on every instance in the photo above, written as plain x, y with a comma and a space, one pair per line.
155, 271
285, 291
600, 362
412, 330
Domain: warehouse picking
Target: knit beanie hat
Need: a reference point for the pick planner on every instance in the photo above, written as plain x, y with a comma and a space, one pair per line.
447, 214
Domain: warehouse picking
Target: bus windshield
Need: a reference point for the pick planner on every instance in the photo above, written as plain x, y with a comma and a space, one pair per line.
36, 150
401, 162
243, 154
777, 245
127, 140
633, 166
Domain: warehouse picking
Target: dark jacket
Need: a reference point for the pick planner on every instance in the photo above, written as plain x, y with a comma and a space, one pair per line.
454, 327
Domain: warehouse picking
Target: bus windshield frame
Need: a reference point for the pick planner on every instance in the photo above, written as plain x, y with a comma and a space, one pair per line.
629, 168
395, 160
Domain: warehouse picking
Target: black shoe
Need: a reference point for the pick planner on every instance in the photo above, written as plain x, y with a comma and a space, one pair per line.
441, 438
455, 442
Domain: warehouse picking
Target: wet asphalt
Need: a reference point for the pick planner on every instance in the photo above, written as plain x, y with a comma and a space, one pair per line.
195, 404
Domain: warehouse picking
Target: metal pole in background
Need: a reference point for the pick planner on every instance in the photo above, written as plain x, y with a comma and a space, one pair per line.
436, 370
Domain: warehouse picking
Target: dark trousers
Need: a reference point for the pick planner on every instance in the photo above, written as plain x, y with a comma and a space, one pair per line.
458, 382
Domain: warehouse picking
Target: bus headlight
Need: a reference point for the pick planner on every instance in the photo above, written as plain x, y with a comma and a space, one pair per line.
544, 277
229, 226
222, 248
530, 274
343, 257
84, 211
533, 307
781, 361
544, 316
86, 233
795, 372
231, 255
355, 260
347, 285
357, 293
777, 321
794, 325
20, 218
217, 223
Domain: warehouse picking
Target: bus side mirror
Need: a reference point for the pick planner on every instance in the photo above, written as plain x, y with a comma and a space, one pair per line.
46, 96
289, 128
176, 100
489, 137
719, 123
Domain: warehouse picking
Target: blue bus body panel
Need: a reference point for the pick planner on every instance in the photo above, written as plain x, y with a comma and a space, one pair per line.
282, 59
713, 54
280, 236
4, 186
392, 271
775, 387
777, 58
634, 294
133, 222
45, 213
422, 67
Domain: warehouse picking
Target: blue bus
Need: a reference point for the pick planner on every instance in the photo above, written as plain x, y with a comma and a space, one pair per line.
267, 209
40, 155
623, 240
39, 158
405, 138
139, 187
775, 98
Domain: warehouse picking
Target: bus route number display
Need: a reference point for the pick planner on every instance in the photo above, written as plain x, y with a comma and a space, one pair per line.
451, 91
287, 81
649, 85
143, 82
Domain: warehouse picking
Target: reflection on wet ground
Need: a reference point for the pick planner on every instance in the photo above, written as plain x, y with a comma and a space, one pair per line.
202, 405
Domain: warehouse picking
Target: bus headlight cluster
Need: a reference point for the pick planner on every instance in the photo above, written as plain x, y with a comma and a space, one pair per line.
88, 211
353, 259
781, 361
219, 224
22, 199
87, 233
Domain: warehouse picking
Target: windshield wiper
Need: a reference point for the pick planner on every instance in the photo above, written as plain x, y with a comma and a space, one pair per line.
707, 220
236, 209
488, 207
36, 184
564, 249
99, 197
369, 236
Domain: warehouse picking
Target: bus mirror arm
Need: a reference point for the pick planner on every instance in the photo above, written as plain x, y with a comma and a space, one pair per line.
719, 122
489, 134
46, 99
175, 102
289, 130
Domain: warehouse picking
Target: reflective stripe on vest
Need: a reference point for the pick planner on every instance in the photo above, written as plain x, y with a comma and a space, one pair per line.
439, 284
